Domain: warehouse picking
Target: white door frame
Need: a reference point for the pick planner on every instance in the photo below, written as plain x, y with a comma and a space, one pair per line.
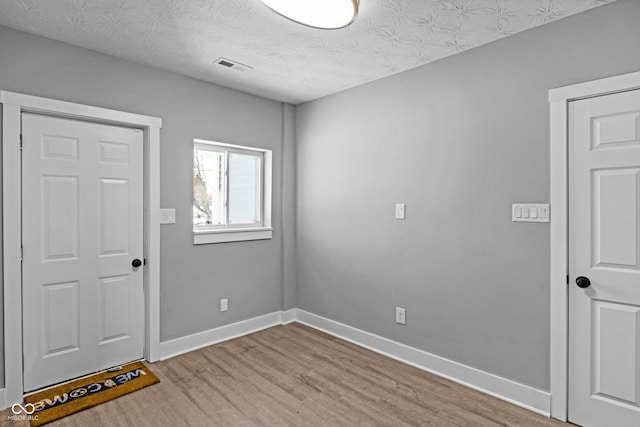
559, 99
13, 105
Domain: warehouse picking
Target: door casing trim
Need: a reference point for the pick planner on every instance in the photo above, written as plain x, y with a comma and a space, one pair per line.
13, 105
559, 234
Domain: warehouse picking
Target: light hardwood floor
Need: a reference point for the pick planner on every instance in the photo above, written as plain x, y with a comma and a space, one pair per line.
294, 375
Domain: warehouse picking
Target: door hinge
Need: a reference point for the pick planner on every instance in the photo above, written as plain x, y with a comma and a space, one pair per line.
21, 141
144, 261
567, 279
21, 253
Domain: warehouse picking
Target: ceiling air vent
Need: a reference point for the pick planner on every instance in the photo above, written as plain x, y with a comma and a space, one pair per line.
234, 65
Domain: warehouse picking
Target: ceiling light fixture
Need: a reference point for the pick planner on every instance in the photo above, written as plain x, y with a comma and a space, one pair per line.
323, 14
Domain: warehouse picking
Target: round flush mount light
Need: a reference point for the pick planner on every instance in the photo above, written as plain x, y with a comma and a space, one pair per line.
323, 14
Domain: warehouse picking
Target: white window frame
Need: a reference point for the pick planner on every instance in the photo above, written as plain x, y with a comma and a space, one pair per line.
204, 234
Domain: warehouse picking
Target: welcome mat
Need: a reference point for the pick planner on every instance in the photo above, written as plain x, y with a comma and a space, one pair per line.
66, 399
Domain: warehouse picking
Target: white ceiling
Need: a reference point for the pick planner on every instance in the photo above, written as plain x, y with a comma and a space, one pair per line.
291, 62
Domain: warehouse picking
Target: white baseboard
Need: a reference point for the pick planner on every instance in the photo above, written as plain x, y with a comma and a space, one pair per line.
199, 340
3, 399
510, 391
289, 316
518, 394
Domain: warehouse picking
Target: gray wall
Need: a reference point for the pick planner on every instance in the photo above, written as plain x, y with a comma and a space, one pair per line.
458, 141
193, 278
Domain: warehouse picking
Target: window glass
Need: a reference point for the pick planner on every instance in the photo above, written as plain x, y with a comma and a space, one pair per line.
208, 187
244, 188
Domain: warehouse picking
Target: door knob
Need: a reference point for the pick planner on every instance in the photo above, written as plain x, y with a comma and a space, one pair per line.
136, 263
583, 282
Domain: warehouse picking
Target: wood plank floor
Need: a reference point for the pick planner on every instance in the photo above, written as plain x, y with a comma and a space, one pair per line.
294, 375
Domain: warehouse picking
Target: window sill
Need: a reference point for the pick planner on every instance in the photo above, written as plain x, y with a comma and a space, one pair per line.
201, 237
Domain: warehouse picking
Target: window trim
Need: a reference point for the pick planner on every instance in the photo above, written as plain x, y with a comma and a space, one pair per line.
243, 232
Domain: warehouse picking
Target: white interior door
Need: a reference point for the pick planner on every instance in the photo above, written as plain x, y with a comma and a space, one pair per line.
604, 249
82, 226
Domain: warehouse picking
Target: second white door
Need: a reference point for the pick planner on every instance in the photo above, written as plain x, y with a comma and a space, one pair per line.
604, 266
82, 227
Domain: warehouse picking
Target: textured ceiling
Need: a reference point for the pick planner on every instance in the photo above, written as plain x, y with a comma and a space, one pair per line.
291, 63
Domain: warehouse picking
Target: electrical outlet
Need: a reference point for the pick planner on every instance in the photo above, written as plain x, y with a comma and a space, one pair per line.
224, 304
401, 316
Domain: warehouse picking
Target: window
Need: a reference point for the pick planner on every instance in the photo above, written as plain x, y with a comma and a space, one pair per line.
231, 193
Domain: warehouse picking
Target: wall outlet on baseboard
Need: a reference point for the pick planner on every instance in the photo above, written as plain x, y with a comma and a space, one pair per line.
401, 315
224, 304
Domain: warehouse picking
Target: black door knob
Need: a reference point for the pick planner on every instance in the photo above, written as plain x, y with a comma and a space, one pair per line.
583, 282
136, 263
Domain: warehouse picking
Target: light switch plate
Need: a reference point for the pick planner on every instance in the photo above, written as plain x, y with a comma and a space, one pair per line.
167, 216
530, 213
400, 210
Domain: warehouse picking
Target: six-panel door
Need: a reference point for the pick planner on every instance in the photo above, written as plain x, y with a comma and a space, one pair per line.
604, 237
82, 213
